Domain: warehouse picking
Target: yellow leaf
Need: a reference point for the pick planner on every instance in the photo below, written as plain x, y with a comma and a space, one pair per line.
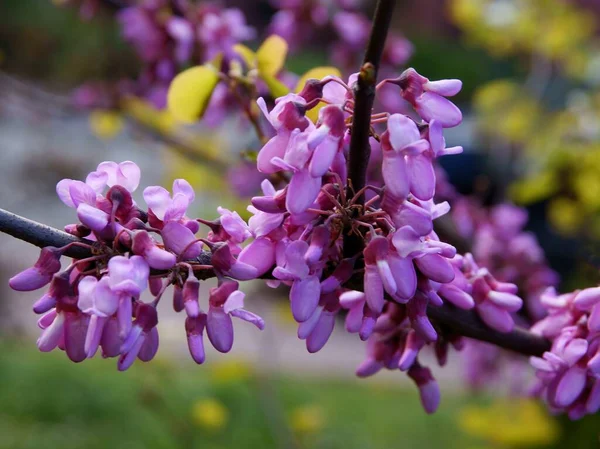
271, 55
316, 73
276, 87
247, 55
190, 92
105, 124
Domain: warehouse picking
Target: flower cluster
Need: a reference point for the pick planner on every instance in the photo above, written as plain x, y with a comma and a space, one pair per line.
168, 36
569, 374
296, 22
96, 301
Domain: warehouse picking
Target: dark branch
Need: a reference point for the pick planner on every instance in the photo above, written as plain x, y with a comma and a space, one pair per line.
462, 322
364, 96
468, 324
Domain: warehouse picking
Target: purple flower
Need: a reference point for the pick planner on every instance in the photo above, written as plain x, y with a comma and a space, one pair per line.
227, 301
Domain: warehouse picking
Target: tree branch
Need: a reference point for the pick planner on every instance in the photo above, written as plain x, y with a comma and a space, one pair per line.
364, 95
463, 322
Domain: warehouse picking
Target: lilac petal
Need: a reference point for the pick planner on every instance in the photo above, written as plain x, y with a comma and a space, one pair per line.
111, 342
81, 193
373, 290
52, 333
495, 317
570, 386
304, 297
93, 218
306, 327
424, 328
368, 368
430, 396
177, 208
409, 214
351, 299
367, 328
262, 223
86, 288
185, 188
592, 404
422, 177
321, 333
127, 358
106, 302
158, 200
432, 106
594, 319
47, 319
407, 242
574, 351
242, 271
457, 296
160, 259
446, 88
219, 329
275, 147
128, 276
93, 335
196, 347
260, 254
97, 181
29, 279
76, 326
541, 364
385, 273
124, 313
63, 192
323, 156
234, 301
405, 276
354, 319
436, 268
411, 349
249, 317
45, 303
178, 237
507, 301
131, 175
150, 346
403, 131
436, 137
587, 298
395, 174
302, 192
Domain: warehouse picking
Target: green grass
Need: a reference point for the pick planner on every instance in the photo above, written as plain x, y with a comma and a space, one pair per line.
48, 402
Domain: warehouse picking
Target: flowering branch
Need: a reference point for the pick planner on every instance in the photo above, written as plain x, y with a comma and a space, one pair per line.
463, 322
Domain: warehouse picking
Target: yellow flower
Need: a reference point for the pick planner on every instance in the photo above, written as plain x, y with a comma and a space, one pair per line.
105, 124
510, 422
210, 414
230, 371
307, 419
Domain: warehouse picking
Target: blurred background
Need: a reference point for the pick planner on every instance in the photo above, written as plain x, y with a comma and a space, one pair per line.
531, 102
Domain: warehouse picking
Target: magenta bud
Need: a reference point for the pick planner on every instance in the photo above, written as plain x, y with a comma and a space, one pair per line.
191, 289
312, 90
428, 387
156, 257
194, 329
318, 242
177, 298
44, 304
40, 274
